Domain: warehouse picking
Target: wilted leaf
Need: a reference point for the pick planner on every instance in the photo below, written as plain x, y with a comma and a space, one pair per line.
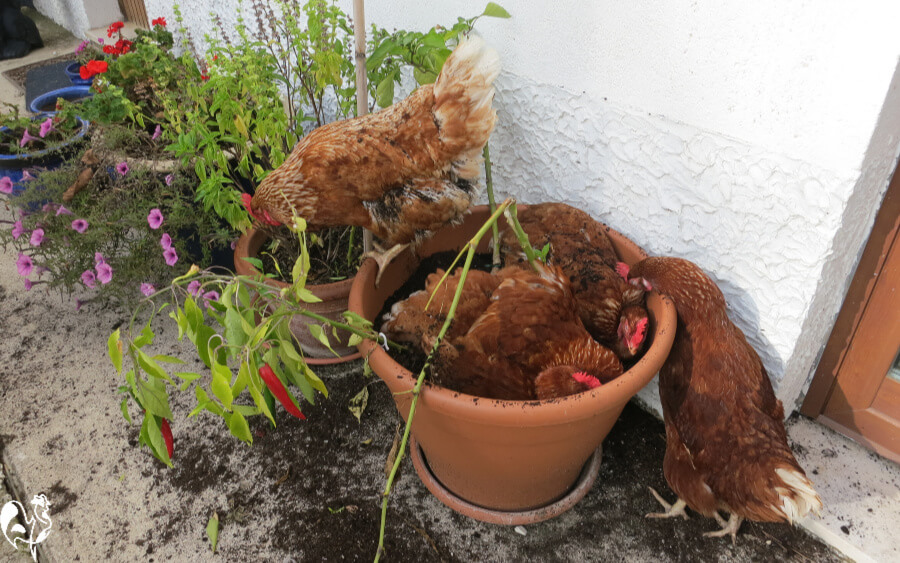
359, 402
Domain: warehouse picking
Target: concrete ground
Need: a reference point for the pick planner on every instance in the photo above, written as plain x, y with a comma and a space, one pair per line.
311, 491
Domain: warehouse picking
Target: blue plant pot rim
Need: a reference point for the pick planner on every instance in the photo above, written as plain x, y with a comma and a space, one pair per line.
12, 158
67, 93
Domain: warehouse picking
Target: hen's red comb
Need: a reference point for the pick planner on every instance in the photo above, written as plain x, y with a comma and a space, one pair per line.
622, 269
585, 379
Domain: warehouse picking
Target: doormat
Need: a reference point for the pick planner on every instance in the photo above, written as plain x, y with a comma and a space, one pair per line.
19, 75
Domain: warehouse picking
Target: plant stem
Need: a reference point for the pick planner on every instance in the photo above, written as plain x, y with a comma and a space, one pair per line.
470, 247
489, 185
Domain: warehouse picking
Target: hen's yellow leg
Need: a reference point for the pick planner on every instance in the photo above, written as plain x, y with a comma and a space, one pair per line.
676, 509
728, 528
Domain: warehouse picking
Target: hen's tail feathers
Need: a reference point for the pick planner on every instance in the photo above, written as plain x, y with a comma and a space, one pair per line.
463, 94
798, 497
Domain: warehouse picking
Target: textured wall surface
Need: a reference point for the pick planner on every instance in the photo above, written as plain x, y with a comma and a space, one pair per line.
738, 136
68, 13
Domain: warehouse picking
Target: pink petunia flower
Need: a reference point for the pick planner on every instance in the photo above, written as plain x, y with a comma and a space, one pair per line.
171, 256
63, 211
155, 218
194, 288
122, 168
147, 289
104, 272
27, 138
28, 284
46, 127
80, 225
98, 259
17, 230
37, 237
166, 241
89, 279
169, 179
50, 207
81, 46
156, 133
100, 40
211, 295
6, 185
24, 265
26, 175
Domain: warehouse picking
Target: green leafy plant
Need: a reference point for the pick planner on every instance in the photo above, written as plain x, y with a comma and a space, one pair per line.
21, 134
240, 328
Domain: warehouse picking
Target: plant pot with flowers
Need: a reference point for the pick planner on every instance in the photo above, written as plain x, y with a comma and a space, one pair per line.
507, 462
31, 144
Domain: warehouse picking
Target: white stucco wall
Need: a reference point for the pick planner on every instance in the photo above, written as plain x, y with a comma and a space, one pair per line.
78, 16
732, 134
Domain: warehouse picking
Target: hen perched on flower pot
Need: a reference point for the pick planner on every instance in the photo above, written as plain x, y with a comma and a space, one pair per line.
401, 172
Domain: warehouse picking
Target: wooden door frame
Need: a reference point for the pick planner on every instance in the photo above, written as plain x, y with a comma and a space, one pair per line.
883, 236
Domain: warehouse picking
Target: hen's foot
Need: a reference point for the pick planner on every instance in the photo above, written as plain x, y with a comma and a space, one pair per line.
676, 509
728, 528
384, 257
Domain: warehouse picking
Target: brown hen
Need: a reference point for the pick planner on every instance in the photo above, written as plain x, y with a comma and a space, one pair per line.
526, 342
401, 172
726, 445
612, 310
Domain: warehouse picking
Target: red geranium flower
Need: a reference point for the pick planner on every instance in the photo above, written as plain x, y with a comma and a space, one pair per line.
159, 21
92, 68
110, 50
113, 28
123, 45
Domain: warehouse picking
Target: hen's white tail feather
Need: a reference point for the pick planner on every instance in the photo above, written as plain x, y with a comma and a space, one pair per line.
463, 95
798, 497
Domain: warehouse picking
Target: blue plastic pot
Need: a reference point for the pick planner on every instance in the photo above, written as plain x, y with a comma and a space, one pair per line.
13, 165
46, 103
73, 71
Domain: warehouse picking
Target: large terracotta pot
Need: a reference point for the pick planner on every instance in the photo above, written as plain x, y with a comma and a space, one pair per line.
505, 461
334, 303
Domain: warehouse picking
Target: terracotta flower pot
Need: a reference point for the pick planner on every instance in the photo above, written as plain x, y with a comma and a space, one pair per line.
334, 303
505, 461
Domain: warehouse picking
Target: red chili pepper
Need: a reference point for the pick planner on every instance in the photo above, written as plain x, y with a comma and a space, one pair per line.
167, 436
277, 388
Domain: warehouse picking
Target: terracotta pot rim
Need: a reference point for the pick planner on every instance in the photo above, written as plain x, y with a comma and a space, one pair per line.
248, 245
541, 413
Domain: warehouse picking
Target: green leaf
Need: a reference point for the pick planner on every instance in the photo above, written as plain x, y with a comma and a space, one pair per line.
114, 348
145, 338
234, 328
124, 407
155, 399
495, 11
319, 334
384, 92
359, 402
239, 427
167, 359
155, 440
221, 384
354, 340
194, 317
306, 295
181, 320
212, 531
188, 377
152, 368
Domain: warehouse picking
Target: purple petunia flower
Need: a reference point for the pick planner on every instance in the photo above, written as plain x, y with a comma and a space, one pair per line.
24, 265
28, 284
26, 175
98, 259
63, 211
156, 133
155, 218
171, 256
211, 295
80, 225
6, 185
100, 40
17, 230
169, 179
89, 279
37, 237
122, 168
166, 241
147, 289
46, 127
104, 272
81, 46
194, 288
27, 138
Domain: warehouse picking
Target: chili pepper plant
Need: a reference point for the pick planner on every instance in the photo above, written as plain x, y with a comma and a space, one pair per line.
240, 328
